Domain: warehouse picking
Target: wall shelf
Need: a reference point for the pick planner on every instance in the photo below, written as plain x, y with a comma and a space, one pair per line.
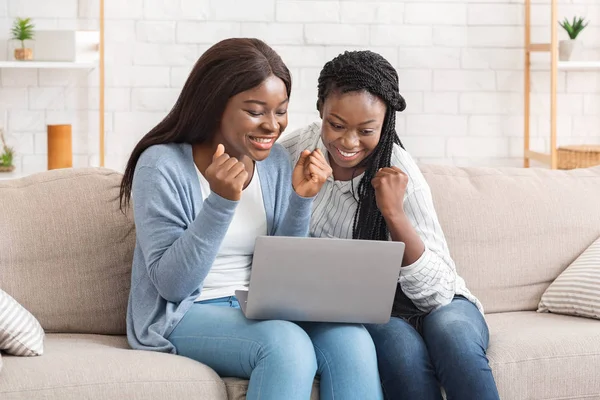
567, 66
550, 156
48, 64
578, 65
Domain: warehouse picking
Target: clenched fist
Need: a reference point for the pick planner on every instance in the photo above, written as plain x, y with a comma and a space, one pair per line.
310, 173
390, 186
226, 175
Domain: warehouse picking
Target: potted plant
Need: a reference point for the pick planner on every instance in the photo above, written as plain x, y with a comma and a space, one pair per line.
567, 47
6, 155
22, 30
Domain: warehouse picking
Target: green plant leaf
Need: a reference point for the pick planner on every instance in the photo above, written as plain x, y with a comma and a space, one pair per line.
574, 28
23, 29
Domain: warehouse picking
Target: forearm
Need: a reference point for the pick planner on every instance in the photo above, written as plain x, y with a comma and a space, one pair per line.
402, 230
183, 266
296, 221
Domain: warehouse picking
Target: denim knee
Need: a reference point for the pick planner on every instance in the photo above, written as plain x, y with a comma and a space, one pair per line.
288, 346
347, 344
399, 344
456, 332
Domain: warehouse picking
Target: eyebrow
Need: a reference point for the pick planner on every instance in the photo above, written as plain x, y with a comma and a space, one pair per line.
262, 103
344, 121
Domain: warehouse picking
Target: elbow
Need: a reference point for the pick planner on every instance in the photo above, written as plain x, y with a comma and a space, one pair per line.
170, 288
172, 295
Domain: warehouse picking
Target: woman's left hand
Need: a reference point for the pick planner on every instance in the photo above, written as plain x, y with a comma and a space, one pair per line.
310, 173
390, 186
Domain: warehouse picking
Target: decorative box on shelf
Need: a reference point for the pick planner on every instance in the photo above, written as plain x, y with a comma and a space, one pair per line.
578, 156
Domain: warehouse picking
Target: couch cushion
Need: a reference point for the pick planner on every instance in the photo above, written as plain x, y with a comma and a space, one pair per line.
237, 388
512, 231
544, 356
66, 249
103, 367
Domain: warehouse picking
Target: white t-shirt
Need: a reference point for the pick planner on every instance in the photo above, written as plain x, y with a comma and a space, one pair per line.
231, 269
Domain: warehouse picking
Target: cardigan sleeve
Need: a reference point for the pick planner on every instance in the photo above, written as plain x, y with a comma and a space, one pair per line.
178, 255
295, 210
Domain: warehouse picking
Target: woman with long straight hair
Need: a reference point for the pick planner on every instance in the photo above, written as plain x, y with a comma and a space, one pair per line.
205, 183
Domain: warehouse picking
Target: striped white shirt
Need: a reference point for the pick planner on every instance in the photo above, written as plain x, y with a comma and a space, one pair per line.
431, 281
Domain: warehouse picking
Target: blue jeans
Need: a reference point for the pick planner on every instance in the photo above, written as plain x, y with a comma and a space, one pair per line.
280, 358
450, 352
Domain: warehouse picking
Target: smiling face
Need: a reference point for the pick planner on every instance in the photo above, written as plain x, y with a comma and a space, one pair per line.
253, 120
351, 129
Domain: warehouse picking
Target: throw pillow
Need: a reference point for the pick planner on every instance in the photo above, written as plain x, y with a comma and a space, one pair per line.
577, 290
20, 333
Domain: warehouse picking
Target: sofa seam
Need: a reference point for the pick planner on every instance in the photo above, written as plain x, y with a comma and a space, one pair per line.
203, 382
546, 358
504, 174
62, 178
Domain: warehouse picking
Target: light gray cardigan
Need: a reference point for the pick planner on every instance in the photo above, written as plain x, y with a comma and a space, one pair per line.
178, 235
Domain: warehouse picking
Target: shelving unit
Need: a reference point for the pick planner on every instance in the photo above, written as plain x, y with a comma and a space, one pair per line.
550, 158
87, 64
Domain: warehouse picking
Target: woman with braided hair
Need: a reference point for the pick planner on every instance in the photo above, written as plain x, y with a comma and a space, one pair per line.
437, 335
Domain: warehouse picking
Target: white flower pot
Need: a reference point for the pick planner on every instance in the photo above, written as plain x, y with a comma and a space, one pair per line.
567, 49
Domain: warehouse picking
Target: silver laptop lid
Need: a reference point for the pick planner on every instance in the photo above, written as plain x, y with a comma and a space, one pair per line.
323, 279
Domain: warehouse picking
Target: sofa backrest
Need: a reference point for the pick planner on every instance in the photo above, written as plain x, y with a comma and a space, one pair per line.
512, 231
66, 249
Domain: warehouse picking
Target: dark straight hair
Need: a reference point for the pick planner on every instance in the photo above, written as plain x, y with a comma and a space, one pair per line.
229, 67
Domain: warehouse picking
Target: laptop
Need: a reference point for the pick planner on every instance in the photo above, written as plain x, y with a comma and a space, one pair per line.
322, 280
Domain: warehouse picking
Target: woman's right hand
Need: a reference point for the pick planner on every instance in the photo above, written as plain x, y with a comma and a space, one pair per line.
226, 175
310, 173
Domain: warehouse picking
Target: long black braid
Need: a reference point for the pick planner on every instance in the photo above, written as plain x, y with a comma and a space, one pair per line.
369, 71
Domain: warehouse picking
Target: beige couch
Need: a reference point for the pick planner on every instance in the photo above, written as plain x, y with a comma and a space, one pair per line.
65, 254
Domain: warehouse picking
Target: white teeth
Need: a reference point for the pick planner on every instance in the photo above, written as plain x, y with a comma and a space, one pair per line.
347, 154
262, 140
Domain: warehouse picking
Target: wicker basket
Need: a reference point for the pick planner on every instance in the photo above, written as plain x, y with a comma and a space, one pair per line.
578, 156
7, 169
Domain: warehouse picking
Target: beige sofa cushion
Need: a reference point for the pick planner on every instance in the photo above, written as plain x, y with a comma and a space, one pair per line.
103, 367
544, 356
577, 290
20, 333
66, 249
237, 389
512, 231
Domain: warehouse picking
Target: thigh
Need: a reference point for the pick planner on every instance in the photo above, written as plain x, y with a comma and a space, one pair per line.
339, 342
396, 341
346, 360
404, 364
225, 340
458, 322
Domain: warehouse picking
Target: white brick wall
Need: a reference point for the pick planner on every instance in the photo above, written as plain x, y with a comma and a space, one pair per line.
460, 64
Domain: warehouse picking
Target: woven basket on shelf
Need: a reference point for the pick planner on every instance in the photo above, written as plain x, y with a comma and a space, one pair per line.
578, 156
7, 169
